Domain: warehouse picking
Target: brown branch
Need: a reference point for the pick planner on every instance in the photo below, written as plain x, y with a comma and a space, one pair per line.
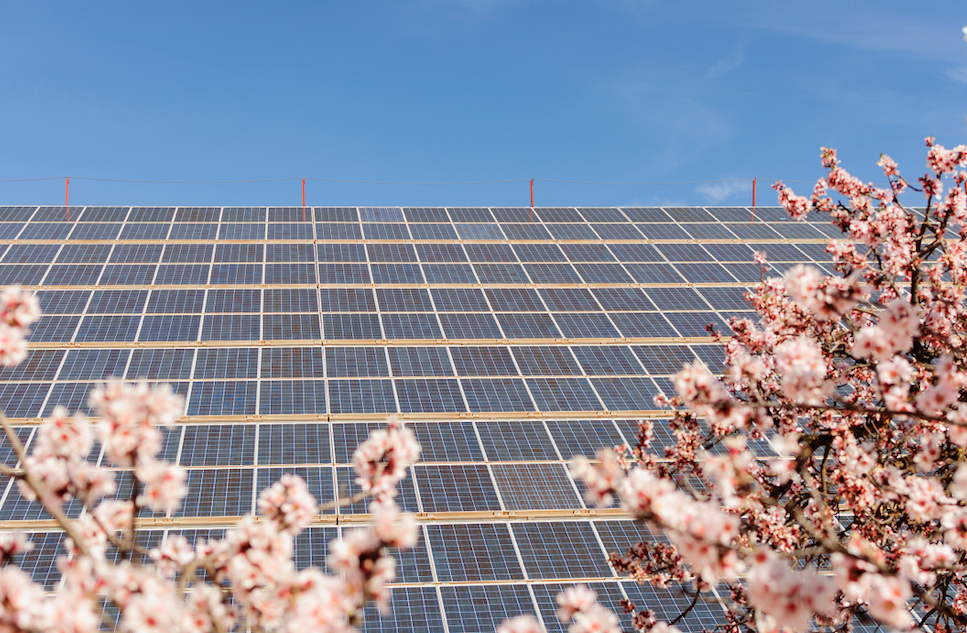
55, 510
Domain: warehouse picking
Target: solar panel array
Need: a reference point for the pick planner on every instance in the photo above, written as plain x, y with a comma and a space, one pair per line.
511, 338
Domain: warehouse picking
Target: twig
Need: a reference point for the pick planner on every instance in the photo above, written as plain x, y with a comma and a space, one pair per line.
55, 510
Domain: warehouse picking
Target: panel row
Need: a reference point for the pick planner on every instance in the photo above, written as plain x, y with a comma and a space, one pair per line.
396, 214
404, 253
330, 300
390, 327
367, 396
471, 553
364, 274
320, 443
243, 231
247, 363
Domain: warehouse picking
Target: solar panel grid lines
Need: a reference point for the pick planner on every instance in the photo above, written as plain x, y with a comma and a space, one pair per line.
508, 346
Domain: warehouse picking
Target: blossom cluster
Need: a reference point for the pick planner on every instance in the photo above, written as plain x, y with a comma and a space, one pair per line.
850, 388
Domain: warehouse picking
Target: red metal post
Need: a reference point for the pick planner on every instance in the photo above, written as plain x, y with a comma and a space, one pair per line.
531, 218
303, 199
67, 191
753, 201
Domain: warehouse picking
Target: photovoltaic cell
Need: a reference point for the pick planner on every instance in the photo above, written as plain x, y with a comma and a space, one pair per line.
292, 397
351, 362
516, 441
361, 396
565, 550
447, 442
535, 487
223, 492
470, 325
456, 488
473, 552
496, 394
420, 361
429, 396
218, 445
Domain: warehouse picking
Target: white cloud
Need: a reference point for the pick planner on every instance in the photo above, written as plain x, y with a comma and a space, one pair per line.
723, 66
717, 192
958, 74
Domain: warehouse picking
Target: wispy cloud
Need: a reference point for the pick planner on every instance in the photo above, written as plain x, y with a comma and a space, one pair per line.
717, 192
723, 66
958, 74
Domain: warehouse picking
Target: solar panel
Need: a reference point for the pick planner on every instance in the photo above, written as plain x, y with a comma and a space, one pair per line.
488, 330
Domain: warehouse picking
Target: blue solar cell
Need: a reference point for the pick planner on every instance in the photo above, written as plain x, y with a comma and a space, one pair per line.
516, 441
289, 231
411, 326
351, 326
566, 550
23, 400
459, 299
224, 492
170, 328
430, 396
452, 274
470, 326
223, 398
361, 396
563, 394
93, 364
352, 362
456, 488
218, 445
347, 300
294, 444
292, 397
473, 552
473, 608
344, 274
527, 326
497, 394
535, 487
291, 327
231, 327
381, 214
626, 394
432, 232
293, 362
385, 232
577, 325
447, 442
420, 361
235, 274
108, 328
546, 361
396, 274
501, 273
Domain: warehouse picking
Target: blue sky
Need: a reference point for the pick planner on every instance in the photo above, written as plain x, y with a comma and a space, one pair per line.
466, 90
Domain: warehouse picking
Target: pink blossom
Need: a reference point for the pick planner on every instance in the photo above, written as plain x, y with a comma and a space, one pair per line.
600, 479
13, 346
288, 503
164, 485
888, 601
802, 368
18, 309
792, 598
392, 527
574, 600
521, 624
381, 461
796, 206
